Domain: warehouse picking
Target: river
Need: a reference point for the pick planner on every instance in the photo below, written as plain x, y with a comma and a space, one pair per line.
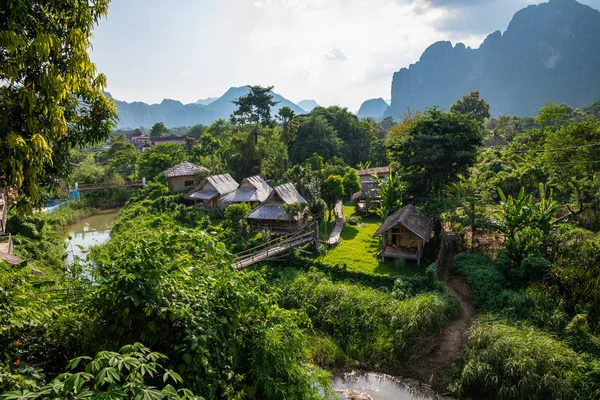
88, 232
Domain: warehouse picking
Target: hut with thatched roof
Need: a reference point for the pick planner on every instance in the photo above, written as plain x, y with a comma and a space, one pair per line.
404, 234
284, 211
184, 175
253, 190
207, 194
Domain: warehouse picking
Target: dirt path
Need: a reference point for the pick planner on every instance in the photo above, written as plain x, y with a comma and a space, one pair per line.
453, 336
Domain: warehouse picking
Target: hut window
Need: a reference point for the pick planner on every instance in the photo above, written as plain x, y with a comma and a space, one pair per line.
188, 183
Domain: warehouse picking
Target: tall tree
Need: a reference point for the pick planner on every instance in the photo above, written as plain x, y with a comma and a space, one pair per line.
155, 160
158, 130
255, 108
289, 125
434, 150
51, 97
332, 190
122, 156
473, 106
315, 136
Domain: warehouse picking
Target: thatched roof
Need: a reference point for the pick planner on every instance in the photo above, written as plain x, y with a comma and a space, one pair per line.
213, 186
285, 194
371, 171
407, 217
185, 169
272, 209
269, 212
252, 189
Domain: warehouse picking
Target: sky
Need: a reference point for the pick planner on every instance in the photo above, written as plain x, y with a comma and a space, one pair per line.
337, 52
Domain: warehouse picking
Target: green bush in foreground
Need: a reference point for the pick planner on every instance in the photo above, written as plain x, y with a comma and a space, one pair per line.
506, 362
371, 326
133, 373
482, 276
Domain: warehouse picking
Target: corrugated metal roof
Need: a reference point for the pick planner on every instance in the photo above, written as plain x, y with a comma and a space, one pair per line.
407, 216
184, 169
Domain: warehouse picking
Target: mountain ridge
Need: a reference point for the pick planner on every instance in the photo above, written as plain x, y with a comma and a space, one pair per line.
547, 53
174, 113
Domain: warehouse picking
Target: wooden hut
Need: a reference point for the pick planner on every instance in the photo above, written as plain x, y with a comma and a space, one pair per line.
404, 234
253, 190
207, 194
184, 175
272, 214
368, 184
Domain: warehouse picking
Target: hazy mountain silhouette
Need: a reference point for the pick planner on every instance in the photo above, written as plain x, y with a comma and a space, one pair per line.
308, 105
549, 53
374, 108
207, 101
173, 113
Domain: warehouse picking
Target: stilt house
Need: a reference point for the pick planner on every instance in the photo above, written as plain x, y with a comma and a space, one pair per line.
404, 234
207, 194
273, 215
253, 190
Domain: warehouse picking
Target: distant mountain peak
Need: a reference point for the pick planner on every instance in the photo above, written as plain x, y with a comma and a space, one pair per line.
373, 108
548, 53
308, 105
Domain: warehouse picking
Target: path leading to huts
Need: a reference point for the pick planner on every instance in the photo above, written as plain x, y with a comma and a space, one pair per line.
340, 220
454, 336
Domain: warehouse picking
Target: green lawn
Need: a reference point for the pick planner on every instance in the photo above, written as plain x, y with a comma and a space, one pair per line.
358, 250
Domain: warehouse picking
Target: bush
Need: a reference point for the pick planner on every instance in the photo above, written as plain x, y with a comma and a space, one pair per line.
371, 326
354, 220
507, 362
482, 276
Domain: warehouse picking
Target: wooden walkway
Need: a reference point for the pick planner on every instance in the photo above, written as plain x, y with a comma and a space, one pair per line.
340, 221
274, 248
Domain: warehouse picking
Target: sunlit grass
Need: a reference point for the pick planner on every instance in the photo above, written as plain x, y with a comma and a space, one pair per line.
358, 250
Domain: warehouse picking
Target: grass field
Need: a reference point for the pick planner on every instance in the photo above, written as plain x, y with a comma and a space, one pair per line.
358, 250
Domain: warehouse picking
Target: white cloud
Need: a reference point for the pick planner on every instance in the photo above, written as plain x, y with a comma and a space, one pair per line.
336, 54
208, 46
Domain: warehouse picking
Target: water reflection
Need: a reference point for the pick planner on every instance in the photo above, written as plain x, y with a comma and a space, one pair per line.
87, 232
372, 386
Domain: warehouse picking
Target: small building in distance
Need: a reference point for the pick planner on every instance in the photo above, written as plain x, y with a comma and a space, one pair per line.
6, 248
184, 175
253, 190
273, 215
368, 184
404, 234
207, 194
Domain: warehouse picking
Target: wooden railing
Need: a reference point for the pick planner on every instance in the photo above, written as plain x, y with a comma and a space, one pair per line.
95, 186
274, 247
3, 212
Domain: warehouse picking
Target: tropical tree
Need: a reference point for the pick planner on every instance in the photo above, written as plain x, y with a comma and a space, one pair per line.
433, 150
156, 159
158, 130
255, 108
332, 190
472, 106
51, 97
289, 124
314, 136
351, 182
516, 213
121, 156
390, 192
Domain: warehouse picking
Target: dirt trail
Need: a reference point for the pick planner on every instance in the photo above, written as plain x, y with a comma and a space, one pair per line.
453, 337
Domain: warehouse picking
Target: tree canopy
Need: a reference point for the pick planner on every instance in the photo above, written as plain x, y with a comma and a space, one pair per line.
52, 97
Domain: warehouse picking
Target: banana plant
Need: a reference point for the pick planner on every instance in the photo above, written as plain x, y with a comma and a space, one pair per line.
517, 213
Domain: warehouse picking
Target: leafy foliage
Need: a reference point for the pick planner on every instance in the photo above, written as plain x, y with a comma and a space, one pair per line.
52, 98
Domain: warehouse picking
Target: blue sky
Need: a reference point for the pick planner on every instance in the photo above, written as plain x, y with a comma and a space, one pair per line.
334, 51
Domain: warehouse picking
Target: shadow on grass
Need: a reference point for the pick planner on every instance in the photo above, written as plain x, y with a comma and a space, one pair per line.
349, 232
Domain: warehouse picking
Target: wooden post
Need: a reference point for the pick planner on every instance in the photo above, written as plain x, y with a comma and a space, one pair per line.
317, 237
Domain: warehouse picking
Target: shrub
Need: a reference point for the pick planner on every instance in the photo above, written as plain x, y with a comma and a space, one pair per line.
482, 276
354, 220
369, 325
507, 362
